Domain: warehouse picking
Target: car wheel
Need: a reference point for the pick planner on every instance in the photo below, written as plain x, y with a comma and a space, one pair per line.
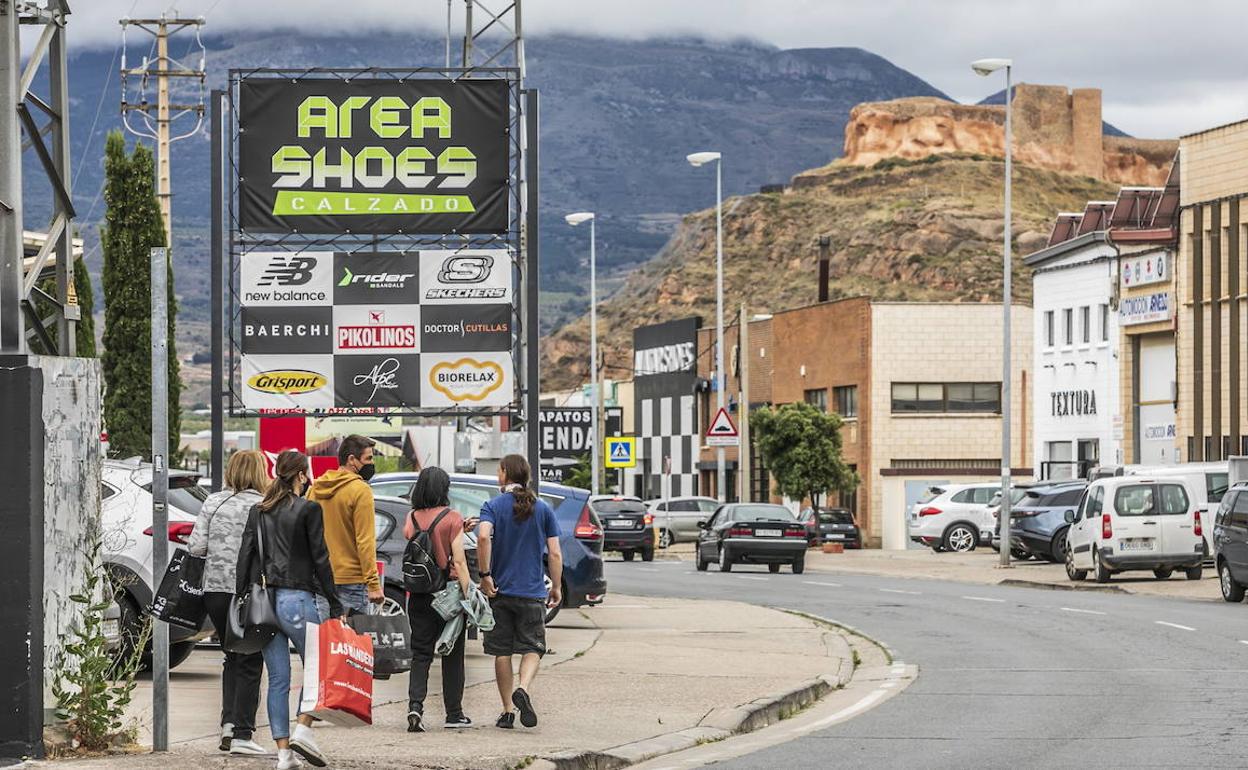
1058, 550
647, 554
725, 561
799, 565
1071, 571
178, 653
132, 627
1194, 573
1102, 572
699, 562
628, 555
1231, 590
666, 538
960, 538
394, 604
773, 568
1163, 574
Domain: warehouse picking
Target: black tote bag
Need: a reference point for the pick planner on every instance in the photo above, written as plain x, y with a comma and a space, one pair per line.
253, 620
179, 600
392, 642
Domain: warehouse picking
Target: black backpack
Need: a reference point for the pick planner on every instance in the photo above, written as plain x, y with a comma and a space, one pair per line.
421, 574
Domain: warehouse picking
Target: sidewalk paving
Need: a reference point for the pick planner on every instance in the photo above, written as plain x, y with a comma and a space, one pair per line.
631, 669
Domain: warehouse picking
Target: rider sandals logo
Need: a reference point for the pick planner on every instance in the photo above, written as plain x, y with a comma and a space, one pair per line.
288, 382
384, 278
466, 380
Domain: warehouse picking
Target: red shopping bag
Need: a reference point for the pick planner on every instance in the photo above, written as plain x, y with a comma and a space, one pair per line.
338, 674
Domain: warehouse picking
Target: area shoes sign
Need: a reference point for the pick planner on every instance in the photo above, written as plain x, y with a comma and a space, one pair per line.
373, 156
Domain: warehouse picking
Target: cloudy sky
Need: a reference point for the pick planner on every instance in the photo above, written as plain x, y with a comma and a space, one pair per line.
1165, 68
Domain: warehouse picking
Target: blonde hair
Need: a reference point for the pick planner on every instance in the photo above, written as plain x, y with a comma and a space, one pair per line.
247, 470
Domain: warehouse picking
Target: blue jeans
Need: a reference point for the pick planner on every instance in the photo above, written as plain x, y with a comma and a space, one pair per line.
352, 596
294, 609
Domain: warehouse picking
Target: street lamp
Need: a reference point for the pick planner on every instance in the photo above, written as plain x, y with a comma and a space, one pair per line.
986, 67
595, 396
698, 159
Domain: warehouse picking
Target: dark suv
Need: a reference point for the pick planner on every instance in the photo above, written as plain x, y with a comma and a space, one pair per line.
627, 526
1038, 521
1230, 542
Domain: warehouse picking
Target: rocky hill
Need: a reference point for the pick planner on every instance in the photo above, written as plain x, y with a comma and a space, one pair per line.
927, 229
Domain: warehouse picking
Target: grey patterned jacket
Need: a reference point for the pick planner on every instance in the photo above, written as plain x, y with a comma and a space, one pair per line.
218, 534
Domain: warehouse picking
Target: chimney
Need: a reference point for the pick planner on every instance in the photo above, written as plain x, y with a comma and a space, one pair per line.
825, 243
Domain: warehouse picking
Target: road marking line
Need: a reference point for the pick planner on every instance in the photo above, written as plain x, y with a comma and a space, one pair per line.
899, 591
646, 569
983, 599
851, 710
888, 685
1243, 641
1085, 612
1174, 625
749, 577
817, 583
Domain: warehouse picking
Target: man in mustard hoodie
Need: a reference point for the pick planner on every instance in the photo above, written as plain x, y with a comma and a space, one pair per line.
347, 504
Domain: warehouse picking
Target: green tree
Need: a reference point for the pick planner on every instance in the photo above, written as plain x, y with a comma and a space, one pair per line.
801, 446
84, 335
581, 474
132, 228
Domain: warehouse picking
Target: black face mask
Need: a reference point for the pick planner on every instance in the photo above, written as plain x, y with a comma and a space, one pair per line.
366, 471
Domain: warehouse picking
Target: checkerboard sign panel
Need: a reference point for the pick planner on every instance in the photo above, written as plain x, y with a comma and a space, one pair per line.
396, 330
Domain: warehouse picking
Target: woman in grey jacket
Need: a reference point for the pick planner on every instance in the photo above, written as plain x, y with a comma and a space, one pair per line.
217, 535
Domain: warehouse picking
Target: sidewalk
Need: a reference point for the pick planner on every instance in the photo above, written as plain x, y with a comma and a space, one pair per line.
628, 670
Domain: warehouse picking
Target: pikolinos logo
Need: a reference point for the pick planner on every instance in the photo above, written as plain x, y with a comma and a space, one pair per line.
290, 382
466, 379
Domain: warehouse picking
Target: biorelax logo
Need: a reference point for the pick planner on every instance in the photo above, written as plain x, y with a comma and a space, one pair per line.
375, 280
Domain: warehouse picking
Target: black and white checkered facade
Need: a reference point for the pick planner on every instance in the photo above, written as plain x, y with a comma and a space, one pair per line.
665, 379
669, 428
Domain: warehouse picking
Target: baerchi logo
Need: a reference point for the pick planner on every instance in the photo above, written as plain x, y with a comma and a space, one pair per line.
466, 379
383, 376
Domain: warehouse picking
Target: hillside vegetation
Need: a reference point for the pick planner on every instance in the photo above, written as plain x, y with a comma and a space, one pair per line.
899, 230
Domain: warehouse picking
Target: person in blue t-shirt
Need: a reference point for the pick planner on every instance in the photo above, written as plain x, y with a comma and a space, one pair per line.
517, 541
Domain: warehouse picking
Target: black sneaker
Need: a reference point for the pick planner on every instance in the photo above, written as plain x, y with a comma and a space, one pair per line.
506, 721
528, 717
414, 722
458, 723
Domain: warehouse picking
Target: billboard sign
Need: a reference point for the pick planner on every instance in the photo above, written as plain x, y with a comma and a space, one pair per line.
373, 155
1148, 308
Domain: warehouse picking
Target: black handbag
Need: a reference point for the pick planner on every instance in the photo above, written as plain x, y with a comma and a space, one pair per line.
253, 619
392, 642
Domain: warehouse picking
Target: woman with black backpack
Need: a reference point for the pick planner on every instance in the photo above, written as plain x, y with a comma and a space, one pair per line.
435, 532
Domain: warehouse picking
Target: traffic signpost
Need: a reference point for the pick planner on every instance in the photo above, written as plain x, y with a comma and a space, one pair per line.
723, 431
621, 452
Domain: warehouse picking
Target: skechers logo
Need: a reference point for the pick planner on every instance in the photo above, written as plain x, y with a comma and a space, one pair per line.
466, 269
290, 382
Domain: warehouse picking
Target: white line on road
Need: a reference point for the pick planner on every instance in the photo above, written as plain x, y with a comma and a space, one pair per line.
1175, 625
899, 591
817, 583
1085, 612
652, 569
1243, 641
982, 599
851, 710
750, 577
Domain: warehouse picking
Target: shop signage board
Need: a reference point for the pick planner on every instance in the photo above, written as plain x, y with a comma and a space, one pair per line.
376, 331
1147, 308
1145, 269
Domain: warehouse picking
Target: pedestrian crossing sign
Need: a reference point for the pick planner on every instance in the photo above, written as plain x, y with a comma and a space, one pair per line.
621, 452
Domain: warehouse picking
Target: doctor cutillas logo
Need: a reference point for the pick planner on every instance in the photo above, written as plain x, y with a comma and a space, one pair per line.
466, 379
290, 382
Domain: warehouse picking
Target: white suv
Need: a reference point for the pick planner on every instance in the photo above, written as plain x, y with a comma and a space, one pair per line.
1135, 523
954, 517
126, 544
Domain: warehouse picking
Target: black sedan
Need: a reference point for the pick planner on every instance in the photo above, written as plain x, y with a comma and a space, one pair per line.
627, 526
752, 533
831, 525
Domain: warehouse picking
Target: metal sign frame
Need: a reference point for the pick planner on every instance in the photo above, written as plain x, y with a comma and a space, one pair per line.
240, 242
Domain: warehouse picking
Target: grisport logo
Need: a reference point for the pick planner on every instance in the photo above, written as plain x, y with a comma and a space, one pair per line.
466, 379
290, 382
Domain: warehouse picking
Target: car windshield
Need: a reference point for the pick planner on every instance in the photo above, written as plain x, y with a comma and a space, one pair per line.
836, 517
618, 506
761, 513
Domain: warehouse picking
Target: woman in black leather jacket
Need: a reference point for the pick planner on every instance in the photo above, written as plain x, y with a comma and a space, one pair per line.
296, 564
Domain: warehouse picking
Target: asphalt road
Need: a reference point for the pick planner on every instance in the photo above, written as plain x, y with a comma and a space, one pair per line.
1009, 677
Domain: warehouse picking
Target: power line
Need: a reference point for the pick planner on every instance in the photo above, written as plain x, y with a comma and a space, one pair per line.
108, 78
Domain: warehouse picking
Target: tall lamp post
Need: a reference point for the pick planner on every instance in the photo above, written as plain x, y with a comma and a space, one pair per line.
595, 394
698, 159
986, 67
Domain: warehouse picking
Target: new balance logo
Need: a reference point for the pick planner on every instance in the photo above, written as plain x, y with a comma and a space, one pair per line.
288, 271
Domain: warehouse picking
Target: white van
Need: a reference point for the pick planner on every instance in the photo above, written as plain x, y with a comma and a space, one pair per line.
1126, 523
1207, 481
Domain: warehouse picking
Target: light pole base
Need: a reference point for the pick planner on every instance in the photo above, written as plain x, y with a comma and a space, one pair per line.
1003, 566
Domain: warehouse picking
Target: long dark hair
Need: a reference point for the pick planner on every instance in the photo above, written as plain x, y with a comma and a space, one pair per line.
516, 471
286, 470
432, 489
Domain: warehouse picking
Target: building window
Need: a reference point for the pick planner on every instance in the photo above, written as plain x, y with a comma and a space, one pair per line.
1068, 325
1085, 319
1104, 322
846, 399
1048, 328
818, 398
947, 397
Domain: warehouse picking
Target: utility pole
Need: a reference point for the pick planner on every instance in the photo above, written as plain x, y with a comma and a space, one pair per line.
743, 414
162, 69
160, 490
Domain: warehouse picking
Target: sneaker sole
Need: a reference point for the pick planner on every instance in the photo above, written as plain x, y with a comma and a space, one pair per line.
314, 759
458, 727
528, 717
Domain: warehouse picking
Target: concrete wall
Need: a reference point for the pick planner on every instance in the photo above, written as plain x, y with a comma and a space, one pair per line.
72, 460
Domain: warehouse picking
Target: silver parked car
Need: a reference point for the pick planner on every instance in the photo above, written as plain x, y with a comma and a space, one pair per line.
677, 517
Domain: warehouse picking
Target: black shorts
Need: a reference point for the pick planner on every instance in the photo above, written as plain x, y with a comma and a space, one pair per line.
519, 626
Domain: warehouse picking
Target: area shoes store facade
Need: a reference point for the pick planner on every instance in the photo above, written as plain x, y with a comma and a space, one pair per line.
665, 379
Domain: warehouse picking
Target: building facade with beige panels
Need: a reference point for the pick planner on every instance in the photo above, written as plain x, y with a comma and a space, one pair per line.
1211, 283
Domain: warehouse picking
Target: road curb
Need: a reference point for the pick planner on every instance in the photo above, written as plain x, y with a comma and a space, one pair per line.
1020, 583
717, 725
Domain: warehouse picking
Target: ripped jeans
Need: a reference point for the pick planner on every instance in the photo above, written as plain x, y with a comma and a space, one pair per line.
294, 609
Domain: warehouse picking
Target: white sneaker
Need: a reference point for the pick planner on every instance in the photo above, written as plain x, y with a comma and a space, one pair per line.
227, 734
303, 744
248, 747
286, 760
